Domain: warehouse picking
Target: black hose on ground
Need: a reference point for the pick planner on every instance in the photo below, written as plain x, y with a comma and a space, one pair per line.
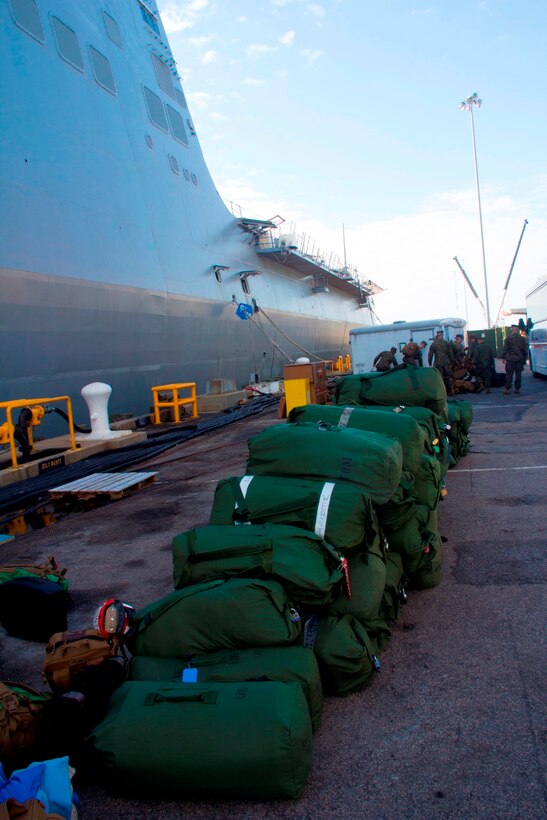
26, 494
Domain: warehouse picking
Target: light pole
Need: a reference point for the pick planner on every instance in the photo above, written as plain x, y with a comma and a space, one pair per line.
467, 105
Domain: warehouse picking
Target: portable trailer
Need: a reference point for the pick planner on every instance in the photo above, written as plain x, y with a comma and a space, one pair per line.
367, 342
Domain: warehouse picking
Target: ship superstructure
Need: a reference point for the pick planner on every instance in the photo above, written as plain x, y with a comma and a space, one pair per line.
119, 260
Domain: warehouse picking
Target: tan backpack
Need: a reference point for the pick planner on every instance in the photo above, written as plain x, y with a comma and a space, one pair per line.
410, 349
68, 654
49, 570
21, 709
31, 809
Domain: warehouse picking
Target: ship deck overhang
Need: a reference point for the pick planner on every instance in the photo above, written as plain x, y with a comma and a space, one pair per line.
307, 266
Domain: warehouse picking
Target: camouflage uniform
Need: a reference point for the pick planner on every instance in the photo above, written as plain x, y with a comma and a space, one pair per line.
514, 354
384, 360
459, 353
410, 353
483, 363
441, 351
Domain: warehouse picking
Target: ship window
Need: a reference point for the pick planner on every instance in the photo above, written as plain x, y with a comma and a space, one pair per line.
177, 125
194, 179
149, 18
67, 44
163, 76
174, 164
27, 17
186, 173
112, 29
245, 286
149, 140
102, 70
181, 99
191, 126
155, 109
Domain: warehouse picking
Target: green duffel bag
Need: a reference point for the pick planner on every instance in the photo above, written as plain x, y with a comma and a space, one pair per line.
403, 428
292, 663
457, 436
400, 507
395, 592
379, 634
340, 512
466, 412
242, 740
345, 653
428, 573
436, 441
413, 541
428, 483
201, 618
413, 386
367, 579
307, 567
321, 451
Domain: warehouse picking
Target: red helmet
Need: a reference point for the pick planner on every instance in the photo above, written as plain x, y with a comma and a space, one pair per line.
116, 619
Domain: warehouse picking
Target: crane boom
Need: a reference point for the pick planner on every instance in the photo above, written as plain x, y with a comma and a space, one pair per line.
511, 271
468, 280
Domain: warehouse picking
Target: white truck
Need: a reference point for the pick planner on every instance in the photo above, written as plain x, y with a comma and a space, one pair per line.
536, 310
367, 342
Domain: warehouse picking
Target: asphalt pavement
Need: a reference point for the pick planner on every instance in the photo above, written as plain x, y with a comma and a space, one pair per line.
451, 726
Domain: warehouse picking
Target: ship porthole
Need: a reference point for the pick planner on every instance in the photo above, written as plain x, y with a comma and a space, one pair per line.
186, 173
149, 140
194, 179
174, 164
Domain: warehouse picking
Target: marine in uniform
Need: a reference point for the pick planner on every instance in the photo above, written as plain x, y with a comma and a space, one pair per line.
483, 363
385, 360
514, 354
441, 355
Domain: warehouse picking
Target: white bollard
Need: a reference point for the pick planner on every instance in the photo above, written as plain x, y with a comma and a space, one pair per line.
96, 395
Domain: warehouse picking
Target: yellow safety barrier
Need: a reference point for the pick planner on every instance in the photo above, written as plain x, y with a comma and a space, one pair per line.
36, 407
341, 365
176, 401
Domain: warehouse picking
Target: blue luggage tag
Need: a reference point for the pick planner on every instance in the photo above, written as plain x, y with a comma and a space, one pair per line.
190, 675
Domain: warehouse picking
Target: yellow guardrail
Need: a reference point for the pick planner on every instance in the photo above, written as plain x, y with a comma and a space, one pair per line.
176, 402
7, 429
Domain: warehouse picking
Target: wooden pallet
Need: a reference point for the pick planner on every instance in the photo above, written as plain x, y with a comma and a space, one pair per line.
113, 485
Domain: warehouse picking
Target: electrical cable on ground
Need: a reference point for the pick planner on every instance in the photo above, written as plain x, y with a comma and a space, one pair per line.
24, 495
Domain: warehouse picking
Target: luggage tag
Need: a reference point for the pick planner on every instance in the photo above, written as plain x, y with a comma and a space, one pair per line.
190, 675
345, 571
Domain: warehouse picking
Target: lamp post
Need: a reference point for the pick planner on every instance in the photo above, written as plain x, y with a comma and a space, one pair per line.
467, 105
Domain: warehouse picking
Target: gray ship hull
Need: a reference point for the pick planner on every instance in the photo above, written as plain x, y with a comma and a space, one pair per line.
119, 261
78, 331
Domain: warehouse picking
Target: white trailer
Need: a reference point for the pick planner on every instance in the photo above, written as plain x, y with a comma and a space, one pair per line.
367, 342
536, 310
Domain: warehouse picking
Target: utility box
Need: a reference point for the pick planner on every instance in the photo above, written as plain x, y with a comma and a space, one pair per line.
297, 393
493, 336
315, 373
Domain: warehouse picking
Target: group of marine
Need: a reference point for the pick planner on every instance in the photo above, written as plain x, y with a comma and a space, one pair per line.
474, 361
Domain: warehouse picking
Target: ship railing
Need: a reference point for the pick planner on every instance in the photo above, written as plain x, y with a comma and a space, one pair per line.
167, 395
304, 246
36, 407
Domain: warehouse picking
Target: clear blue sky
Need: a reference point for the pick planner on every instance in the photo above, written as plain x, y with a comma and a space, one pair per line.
346, 112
